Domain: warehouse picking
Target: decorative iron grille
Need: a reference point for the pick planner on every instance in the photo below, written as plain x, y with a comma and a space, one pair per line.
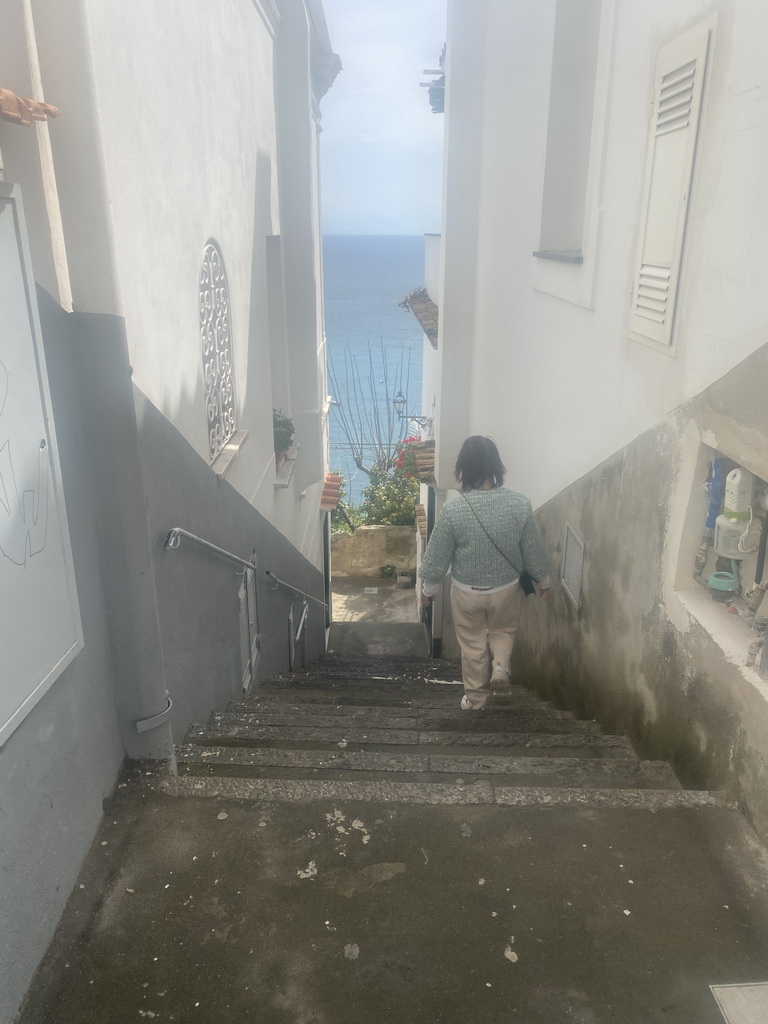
216, 337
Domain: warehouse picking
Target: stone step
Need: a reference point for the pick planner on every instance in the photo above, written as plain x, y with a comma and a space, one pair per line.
233, 730
519, 771
447, 697
388, 728
390, 667
399, 709
334, 728
532, 718
483, 792
373, 662
392, 685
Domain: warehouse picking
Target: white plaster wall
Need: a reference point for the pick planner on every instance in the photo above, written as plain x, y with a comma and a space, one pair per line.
189, 130
433, 266
464, 143
189, 137
560, 385
430, 361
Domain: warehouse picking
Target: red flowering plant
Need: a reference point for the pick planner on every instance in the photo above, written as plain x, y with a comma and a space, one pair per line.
405, 460
392, 495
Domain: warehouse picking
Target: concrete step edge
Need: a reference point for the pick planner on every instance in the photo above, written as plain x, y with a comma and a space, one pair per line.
231, 728
421, 717
310, 791
367, 736
374, 684
352, 728
458, 762
323, 698
649, 799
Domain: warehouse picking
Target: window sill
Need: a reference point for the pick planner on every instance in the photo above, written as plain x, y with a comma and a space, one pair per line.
560, 256
284, 471
226, 456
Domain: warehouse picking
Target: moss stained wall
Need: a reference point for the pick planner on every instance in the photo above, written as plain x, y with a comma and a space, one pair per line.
631, 656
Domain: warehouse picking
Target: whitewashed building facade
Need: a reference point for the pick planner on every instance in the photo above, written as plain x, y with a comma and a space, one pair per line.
161, 293
601, 286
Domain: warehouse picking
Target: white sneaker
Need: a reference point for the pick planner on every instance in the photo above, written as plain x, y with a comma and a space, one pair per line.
465, 705
500, 680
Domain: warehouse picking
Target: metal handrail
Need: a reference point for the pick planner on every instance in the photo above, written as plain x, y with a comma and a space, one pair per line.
173, 541
302, 622
294, 590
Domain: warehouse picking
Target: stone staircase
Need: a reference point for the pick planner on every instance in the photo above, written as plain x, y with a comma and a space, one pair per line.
389, 728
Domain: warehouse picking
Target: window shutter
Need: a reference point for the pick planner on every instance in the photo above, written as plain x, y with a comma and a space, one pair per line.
679, 80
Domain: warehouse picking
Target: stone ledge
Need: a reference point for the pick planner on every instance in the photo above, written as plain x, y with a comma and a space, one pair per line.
228, 453
365, 551
284, 472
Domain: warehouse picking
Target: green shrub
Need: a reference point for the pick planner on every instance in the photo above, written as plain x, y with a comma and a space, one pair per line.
345, 518
390, 499
283, 430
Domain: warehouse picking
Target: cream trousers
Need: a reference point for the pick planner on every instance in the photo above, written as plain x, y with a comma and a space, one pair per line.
484, 623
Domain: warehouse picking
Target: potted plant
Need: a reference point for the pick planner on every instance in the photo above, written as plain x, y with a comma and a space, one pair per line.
406, 579
283, 430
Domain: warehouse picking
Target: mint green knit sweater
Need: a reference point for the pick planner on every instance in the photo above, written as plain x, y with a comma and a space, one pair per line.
458, 540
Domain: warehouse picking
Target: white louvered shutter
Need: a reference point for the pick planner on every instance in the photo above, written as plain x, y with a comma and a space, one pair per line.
679, 81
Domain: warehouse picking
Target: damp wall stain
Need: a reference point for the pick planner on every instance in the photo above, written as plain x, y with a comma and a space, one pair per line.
619, 658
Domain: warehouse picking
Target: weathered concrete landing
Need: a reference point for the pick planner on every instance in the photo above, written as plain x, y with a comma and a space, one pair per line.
370, 599
368, 853
362, 637
337, 912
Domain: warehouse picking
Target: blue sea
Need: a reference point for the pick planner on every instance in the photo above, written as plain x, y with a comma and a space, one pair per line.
365, 278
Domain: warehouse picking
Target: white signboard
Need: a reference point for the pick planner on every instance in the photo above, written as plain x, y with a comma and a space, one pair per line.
40, 629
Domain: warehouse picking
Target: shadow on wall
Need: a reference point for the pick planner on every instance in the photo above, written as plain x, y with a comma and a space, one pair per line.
620, 657
197, 592
255, 379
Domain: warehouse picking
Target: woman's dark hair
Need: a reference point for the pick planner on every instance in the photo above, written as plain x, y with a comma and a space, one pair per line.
478, 461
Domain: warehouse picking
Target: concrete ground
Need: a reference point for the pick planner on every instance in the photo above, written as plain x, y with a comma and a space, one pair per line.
222, 912
375, 623
351, 603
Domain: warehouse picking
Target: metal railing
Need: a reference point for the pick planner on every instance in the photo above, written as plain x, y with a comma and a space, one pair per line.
173, 542
294, 590
174, 538
295, 632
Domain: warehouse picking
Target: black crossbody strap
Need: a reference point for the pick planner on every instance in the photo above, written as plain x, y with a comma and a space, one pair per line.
490, 538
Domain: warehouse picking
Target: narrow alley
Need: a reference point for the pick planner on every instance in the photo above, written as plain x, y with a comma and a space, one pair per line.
347, 847
282, 290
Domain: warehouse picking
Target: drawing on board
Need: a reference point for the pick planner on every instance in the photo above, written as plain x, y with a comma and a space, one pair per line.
23, 512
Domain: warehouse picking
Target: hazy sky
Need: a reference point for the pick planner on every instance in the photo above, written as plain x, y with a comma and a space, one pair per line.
381, 145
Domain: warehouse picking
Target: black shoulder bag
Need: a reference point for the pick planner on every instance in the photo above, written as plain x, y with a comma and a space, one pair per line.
525, 580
